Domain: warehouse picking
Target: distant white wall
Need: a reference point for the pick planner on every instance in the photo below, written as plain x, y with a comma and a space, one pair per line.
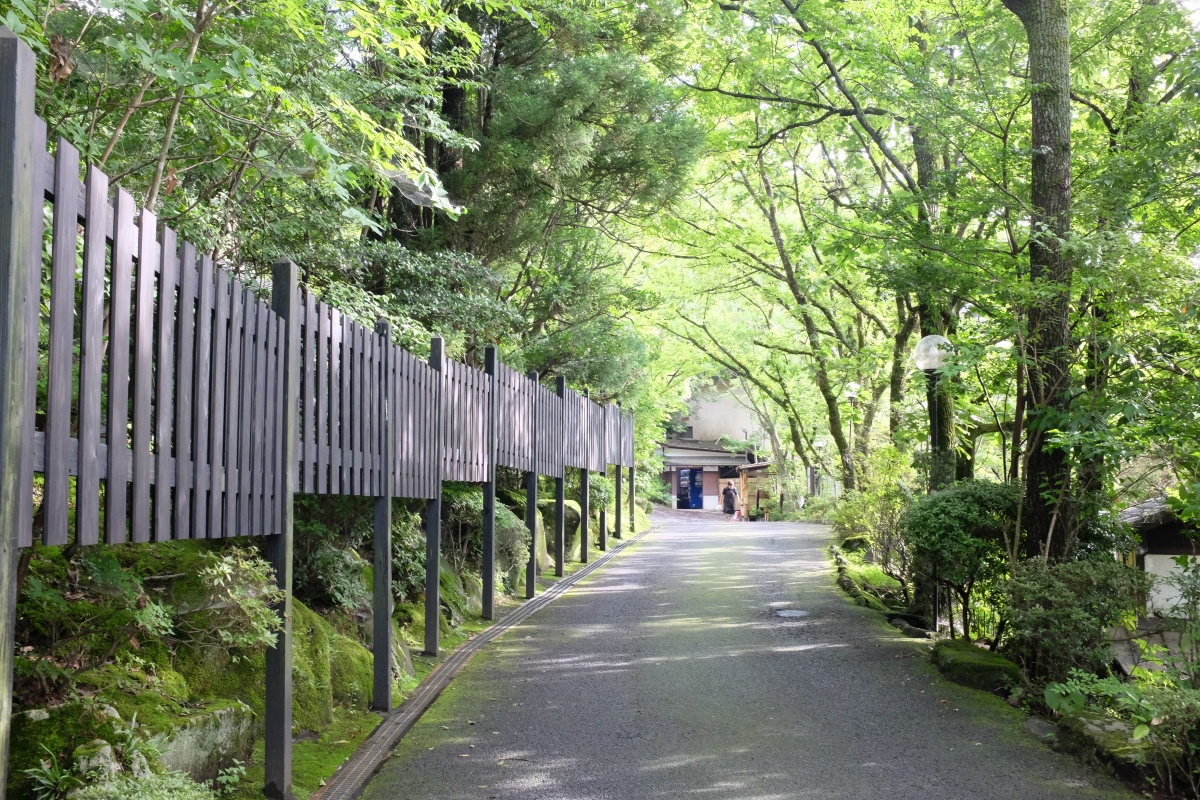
1162, 596
716, 413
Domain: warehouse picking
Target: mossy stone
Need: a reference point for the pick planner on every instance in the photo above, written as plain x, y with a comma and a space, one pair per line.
351, 672
969, 665
61, 729
312, 689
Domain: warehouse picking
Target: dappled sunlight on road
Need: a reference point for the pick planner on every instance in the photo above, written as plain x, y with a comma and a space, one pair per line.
671, 674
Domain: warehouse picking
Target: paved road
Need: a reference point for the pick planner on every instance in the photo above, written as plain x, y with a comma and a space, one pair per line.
668, 675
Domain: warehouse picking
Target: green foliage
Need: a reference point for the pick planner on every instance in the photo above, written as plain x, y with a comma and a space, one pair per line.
1058, 615
238, 609
408, 556
229, 778
169, 786
875, 510
52, 780
512, 547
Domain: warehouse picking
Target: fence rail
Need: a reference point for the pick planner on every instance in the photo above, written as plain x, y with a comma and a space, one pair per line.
163, 398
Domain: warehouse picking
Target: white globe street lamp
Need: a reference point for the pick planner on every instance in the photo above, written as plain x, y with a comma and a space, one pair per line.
931, 353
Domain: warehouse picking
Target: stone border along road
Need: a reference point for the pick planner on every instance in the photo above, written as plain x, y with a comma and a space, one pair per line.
669, 675
356, 772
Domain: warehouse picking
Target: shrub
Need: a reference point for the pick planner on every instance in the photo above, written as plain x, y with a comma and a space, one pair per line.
408, 556
512, 546
1058, 615
960, 537
171, 786
874, 512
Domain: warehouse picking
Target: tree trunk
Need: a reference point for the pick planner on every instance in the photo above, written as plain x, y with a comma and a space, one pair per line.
1048, 346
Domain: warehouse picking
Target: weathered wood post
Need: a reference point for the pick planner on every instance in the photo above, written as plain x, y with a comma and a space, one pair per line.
381, 636
585, 484
604, 505
489, 490
531, 497
16, 251
285, 299
433, 509
632, 507
617, 474
560, 497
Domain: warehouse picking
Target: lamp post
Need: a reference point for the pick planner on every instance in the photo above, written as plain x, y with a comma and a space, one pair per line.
931, 354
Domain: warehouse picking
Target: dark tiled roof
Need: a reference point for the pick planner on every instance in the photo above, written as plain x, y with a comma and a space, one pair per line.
697, 444
1147, 514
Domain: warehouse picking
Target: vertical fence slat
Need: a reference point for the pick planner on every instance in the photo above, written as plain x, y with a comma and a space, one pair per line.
120, 297
335, 396
143, 367
281, 421
201, 391
322, 410
164, 386
246, 416
31, 160
258, 444
185, 470
370, 392
346, 429
360, 348
62, 333
233, 417
91, 354
269, 426
308, 356
218, 474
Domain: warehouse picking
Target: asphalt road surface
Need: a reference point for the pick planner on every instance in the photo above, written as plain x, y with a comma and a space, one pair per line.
669, 674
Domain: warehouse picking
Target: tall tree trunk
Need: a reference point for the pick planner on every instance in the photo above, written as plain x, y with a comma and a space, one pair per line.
1048, 346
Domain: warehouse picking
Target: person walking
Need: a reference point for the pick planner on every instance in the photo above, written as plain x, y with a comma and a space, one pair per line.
729, 501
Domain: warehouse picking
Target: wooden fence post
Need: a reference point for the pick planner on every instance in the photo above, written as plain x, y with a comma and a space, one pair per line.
489, 490
585, 486
531, 497
433, 509
381, 637
617, 476
604, 505
632, 508
560, 501
285, 299
17, 207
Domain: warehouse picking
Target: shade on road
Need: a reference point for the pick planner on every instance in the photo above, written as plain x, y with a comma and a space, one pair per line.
669, 674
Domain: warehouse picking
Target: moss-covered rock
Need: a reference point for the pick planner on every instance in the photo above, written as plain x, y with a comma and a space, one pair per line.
61, 730
351, 672
312, 688
571, 516
206, 743
969, 665
1102, 741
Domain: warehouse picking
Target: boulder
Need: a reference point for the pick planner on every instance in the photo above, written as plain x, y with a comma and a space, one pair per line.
1102, 741
206, 743
964, 663
97, 760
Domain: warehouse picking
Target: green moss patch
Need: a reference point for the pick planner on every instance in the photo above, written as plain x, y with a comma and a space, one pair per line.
969, 665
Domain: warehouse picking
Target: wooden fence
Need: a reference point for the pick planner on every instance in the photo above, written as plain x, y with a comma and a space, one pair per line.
159, 397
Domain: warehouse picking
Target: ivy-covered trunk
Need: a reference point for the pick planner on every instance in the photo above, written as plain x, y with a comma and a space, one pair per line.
1048, 341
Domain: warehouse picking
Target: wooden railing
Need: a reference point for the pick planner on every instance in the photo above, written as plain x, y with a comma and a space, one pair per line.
163, 398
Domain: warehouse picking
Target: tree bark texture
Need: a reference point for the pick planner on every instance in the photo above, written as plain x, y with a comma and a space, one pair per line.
1048, 344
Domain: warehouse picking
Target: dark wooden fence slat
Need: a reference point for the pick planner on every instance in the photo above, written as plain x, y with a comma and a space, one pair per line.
307, 432
164, 385
322, 410
233, 417
259, 416
33, 308
185, 468
347, 430
143, 369
360, 402
246, 416
91, 355
219, 478
281, 422
60, 387
269, 425
335, 396
201, 391
370, 407
120, 298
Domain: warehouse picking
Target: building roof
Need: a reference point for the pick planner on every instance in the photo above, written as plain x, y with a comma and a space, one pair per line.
1147, 514
696, 444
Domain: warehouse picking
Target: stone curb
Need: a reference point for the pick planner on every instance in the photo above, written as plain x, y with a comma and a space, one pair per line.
353, 776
